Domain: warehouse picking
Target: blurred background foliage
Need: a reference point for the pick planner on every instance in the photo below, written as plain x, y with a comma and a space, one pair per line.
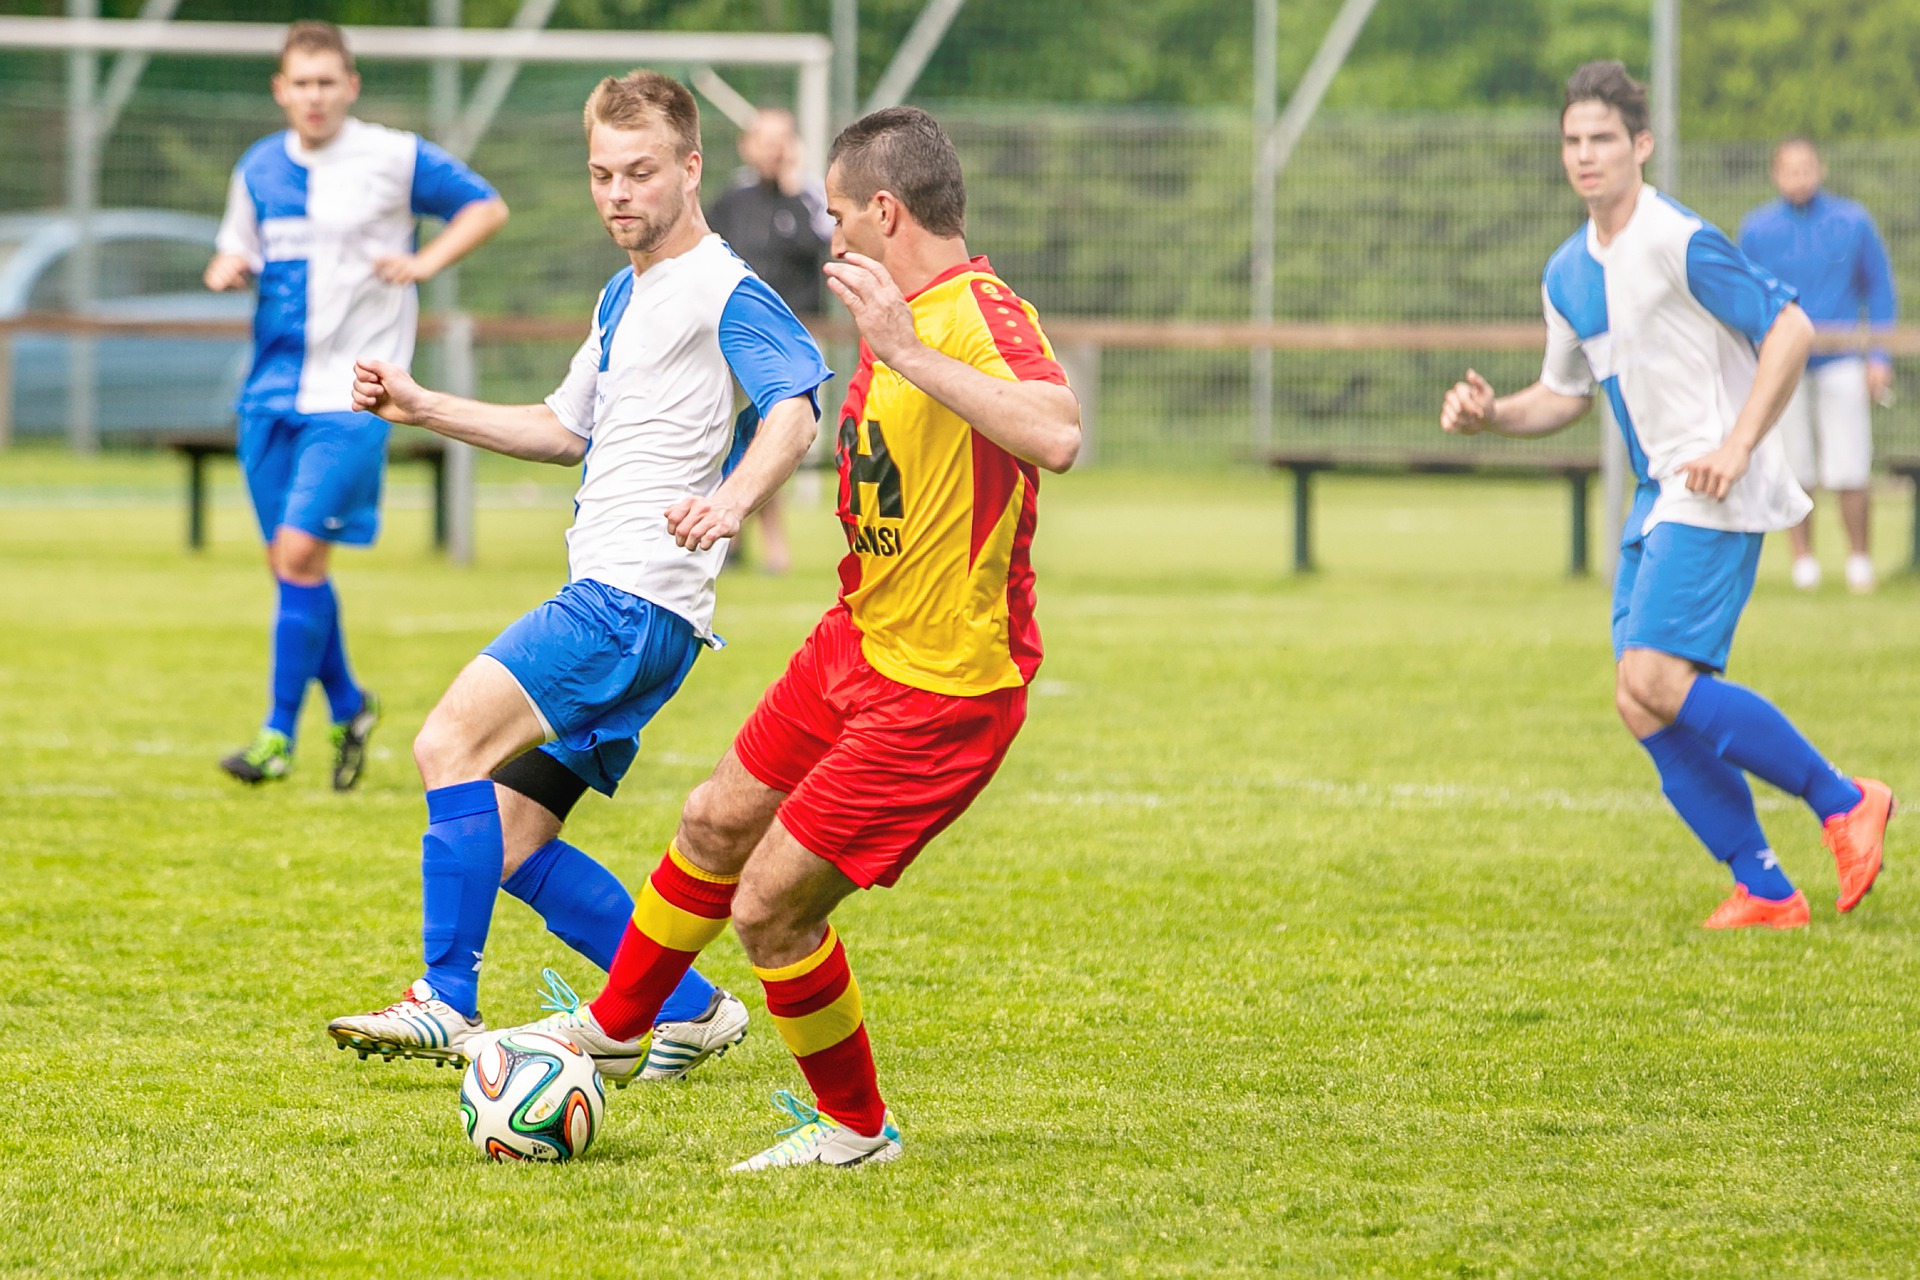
1836, 69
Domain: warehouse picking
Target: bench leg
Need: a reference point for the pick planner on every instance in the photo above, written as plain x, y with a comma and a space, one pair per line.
1302, 519
197, 501
1578, 485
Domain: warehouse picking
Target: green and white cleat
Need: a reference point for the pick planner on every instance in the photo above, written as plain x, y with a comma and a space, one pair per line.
617, 1061
350, 742
417, 1025
268, 758
679, 1047
820, 1139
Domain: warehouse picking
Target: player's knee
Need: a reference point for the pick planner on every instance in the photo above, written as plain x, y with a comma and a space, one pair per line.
434, 749
709, 825
1654, 686
298, 557
771, 932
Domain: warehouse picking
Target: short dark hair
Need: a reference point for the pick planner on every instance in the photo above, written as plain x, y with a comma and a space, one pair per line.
904, 150
642, 97
1608, 82
316, 37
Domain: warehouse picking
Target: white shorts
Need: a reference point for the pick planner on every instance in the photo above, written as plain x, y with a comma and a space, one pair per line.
1827, 427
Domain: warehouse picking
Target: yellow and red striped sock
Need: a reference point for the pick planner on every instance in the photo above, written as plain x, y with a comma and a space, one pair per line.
815, 1003
679, 910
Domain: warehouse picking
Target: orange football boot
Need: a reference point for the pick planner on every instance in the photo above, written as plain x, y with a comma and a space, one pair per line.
1855, 838
1744, 911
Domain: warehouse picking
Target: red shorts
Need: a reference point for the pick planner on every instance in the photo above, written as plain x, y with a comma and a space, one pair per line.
873, 769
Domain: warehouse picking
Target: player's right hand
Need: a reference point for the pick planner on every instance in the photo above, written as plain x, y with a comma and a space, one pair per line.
388, 391
1468, 408
227, 271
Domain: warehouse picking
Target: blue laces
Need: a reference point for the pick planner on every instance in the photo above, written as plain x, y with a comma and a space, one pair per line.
803, 1115
558, 997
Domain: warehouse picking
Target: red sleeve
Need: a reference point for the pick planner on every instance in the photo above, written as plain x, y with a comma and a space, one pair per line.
1015, 334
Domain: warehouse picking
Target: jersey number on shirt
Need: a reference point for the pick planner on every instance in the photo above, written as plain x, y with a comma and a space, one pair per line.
875, 467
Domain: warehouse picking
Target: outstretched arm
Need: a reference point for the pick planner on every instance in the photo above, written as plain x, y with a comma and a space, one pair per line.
470, 228
530, 431
1783, 354
1471, 407
783, 439
1038, 422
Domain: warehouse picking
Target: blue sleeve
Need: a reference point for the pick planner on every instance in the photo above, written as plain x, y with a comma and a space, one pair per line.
769, 351
442, 186
1744, 297
1874, 276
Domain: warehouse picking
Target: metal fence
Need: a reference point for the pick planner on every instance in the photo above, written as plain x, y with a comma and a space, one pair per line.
1134, 216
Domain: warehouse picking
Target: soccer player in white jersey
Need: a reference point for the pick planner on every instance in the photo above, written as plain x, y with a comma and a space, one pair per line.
667, 483
323, 214
1697, 350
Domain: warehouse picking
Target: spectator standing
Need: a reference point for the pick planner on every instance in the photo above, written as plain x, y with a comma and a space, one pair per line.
1829, 250
769, 222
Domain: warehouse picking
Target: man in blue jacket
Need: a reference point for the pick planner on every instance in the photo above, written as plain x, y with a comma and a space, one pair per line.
1829, 250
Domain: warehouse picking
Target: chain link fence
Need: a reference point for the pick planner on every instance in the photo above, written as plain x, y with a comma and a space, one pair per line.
1133, 216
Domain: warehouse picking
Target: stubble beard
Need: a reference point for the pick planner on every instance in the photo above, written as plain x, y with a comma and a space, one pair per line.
647, 233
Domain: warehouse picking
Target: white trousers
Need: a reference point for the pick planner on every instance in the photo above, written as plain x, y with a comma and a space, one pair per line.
1827, 427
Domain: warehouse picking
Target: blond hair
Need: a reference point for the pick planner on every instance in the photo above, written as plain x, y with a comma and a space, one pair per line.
640, 98
316, 37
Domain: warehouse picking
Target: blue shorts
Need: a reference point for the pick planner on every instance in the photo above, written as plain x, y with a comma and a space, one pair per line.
1680, 590
319, 473
597, 664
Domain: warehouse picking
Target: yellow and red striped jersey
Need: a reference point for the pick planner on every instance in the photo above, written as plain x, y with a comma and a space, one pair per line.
938, 518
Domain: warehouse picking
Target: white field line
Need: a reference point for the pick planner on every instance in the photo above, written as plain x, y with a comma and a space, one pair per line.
1118, 790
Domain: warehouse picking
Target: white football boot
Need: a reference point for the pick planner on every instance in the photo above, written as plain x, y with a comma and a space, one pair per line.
1860, 577
679, 1047
417, 1025
820, 1139
617, 1061
1806, 573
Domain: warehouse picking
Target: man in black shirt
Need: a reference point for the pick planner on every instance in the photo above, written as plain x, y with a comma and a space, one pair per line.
769, 221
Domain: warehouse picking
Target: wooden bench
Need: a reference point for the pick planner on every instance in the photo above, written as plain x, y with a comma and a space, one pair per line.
198, 446
1909, 469
1305, 464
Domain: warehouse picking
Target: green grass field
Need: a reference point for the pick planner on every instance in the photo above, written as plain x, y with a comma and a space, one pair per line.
1327, 927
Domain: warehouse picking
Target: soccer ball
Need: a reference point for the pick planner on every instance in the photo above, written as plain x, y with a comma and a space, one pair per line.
531, 1095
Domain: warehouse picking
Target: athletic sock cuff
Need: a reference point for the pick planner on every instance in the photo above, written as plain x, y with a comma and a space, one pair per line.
461, 800
529, 876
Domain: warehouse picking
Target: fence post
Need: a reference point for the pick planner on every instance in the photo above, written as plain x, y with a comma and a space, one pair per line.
6, 389
457, 367
1082, 362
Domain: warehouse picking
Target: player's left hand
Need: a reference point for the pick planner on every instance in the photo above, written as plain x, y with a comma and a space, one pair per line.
1880, 383
401, 268
698, 523
879, 309
1717, 472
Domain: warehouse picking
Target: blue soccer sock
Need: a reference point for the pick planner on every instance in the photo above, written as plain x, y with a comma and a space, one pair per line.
304, 620
1747, 731
344, 698
586, 907
584, 904
1760, 874
460, 859
1713, 799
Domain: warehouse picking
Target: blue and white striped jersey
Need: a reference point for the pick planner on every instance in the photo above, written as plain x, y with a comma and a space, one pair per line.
1665, 322
651, 391
310, 223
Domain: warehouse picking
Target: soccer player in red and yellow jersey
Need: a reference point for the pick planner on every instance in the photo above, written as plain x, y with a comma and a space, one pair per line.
900, 706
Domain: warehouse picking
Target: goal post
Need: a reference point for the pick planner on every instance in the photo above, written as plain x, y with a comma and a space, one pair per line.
91, 118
